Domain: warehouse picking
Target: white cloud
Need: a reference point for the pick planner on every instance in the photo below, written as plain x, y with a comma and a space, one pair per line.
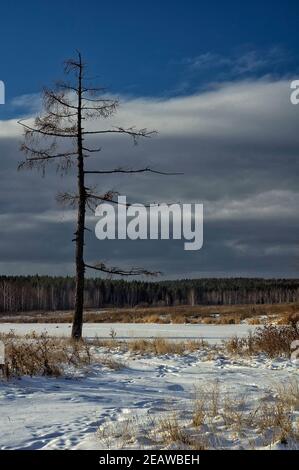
266, 205
229, 110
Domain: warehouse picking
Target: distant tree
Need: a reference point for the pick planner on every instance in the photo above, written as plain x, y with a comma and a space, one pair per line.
66, 108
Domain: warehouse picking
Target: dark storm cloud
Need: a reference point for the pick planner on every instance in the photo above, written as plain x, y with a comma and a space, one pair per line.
238, 148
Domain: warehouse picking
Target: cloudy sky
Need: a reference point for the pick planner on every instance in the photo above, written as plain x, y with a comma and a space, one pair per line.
216, 86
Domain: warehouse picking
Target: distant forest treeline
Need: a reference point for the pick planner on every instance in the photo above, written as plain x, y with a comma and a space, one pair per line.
28, 293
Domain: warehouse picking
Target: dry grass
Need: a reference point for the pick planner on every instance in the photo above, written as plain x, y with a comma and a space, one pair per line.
254, 321
229, 320
271, 421
208, 320
42, 355
171, 430
161, 346
123, 432
289, 319
154, 318
207, 402
157, 346
178, 319
218, 420
273, 340
218, 314
107, 360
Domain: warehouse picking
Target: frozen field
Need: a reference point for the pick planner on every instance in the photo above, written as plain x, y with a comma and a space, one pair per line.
126, 331
99, 408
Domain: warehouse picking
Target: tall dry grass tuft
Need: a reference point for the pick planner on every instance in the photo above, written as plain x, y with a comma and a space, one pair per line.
161, 346
35, 354
172, 431
272, 340
158, 346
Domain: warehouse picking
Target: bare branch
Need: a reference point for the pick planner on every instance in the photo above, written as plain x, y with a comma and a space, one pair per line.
72, 64
135, 134
93, 90
51, 96
92, 150
121, 170
100, 100
66, 86
50, 123
61, 116
134, 271
43, 154
104, 111
42, 132
67, 199
109, 197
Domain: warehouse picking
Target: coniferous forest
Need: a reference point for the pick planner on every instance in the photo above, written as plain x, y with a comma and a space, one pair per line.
43, 293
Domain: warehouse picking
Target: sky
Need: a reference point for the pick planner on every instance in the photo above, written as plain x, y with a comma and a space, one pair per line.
213, 78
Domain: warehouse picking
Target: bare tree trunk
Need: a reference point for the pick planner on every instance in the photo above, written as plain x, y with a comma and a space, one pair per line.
80, 268
63, 120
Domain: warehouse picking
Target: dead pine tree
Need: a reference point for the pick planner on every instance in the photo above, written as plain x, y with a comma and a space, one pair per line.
60, 135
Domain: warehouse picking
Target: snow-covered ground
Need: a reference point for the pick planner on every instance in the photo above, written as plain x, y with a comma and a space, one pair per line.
99, 408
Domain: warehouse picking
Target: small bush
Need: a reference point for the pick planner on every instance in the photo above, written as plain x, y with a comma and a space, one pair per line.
274, 340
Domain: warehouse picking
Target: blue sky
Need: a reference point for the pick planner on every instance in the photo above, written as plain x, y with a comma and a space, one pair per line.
213, 78
144, 48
